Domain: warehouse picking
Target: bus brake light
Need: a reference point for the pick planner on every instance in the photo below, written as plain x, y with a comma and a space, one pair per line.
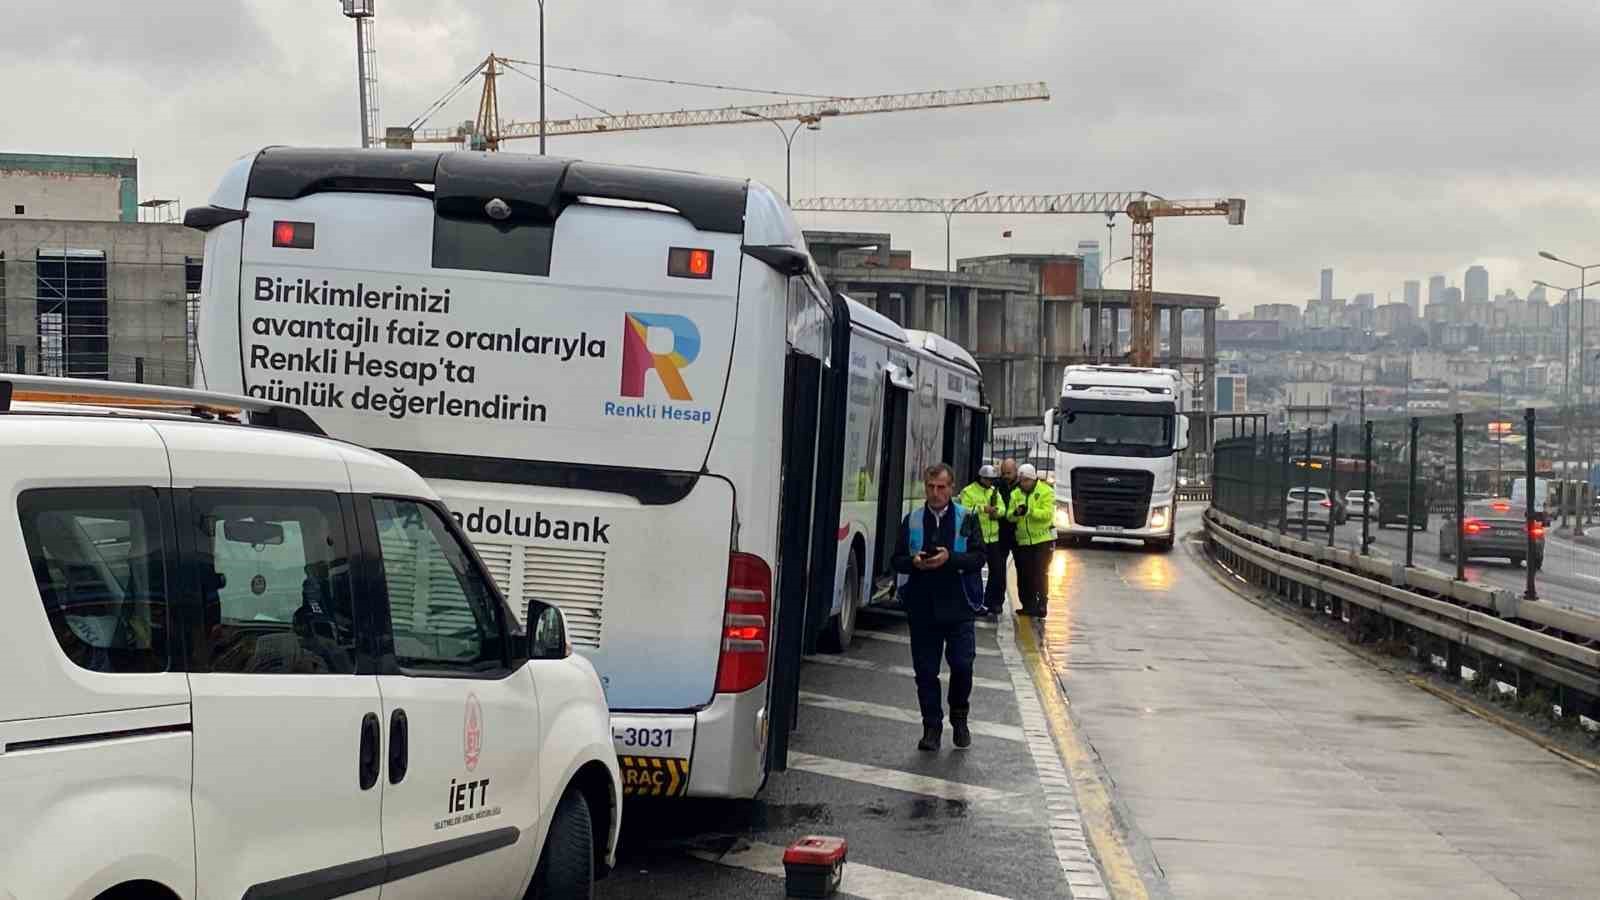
688, 262
294, 235
746, 625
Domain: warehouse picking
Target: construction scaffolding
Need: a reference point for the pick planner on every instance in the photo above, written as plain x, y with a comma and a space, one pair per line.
111, 300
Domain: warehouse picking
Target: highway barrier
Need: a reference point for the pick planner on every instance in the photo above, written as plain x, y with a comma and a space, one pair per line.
1538, 648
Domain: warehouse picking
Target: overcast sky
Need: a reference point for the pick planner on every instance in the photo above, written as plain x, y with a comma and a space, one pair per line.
1390, 140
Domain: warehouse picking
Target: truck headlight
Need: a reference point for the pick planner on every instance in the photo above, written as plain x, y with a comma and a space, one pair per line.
1160, 516
1063, 517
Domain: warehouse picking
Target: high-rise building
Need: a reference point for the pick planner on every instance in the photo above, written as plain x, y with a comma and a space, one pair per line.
1327, 286
1452, 296
1476, 285
1090, 251
1414, 297
1436, 286
1364, 301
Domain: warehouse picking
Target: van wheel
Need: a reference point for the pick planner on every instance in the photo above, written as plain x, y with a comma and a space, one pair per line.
566, 868
842, 628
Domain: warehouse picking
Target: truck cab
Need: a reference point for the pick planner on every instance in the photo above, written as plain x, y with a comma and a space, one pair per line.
1116, 433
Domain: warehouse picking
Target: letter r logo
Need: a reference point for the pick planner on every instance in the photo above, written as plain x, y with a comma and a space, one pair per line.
637, 358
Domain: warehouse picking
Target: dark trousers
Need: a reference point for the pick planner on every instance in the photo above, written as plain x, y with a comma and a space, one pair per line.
1033, 564
994, 592
957, 642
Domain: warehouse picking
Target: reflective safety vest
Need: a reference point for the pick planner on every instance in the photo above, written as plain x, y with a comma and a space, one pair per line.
1038, 522
975, 497
914, 523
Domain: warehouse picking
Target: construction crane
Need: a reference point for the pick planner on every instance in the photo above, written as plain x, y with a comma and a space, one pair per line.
1142, 207
487, 131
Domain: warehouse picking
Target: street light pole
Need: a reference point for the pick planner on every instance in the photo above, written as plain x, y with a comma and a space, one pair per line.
811, 122
949, 208
1583, 273
541, 78
1099, 302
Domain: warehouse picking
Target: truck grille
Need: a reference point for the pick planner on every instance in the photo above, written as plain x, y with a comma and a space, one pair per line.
1111, 497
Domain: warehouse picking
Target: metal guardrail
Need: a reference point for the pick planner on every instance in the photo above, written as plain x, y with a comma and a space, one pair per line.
1526, 643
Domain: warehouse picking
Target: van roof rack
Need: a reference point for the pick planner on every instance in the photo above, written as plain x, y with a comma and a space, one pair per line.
156, 398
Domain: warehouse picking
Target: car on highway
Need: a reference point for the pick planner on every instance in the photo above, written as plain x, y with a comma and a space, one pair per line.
1362, 503
1493, 528
1393, 503
256, 659
1311, 505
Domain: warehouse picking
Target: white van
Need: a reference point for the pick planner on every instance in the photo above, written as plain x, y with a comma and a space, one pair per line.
246, 661
614, 376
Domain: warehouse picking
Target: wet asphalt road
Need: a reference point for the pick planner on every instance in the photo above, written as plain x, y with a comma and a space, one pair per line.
1254, 758
963, 843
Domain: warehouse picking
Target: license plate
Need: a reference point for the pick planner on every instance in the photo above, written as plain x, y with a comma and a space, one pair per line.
1506, 532
668, 737
1109, 528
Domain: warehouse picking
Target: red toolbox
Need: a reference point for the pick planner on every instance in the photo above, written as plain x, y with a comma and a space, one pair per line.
813, 866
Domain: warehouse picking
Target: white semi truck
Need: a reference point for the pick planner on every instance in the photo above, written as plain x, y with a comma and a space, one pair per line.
1116, 433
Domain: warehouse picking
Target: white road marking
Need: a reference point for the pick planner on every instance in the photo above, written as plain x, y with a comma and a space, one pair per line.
896, 714
903, 639
895, 779
867, 665
860, 879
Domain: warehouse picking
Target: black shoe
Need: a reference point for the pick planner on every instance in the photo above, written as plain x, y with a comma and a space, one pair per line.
963, 737
930, 739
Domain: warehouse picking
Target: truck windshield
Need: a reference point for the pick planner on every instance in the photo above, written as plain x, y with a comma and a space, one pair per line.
1114, 434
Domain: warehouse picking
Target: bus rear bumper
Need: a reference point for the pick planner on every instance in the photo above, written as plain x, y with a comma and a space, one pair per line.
718, 751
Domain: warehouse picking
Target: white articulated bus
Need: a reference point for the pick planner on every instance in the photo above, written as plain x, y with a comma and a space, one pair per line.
914, 399
1117, 432
617, 378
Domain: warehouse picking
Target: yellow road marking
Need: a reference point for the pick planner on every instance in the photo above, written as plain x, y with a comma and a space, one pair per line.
1094, 800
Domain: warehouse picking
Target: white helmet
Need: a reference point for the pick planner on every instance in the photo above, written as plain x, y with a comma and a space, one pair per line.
988, 472
1026, 470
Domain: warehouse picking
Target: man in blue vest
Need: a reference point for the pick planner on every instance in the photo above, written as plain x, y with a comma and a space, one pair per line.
937, 545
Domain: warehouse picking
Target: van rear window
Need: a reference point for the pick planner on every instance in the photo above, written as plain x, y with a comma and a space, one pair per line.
486, 246
99, 560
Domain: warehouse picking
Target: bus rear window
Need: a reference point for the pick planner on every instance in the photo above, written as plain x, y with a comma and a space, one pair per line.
489, 247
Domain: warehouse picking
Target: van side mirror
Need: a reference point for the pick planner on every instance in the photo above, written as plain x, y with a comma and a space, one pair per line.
547, 632
1181, 442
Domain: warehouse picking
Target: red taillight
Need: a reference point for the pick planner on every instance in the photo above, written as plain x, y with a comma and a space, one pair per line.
1500, 506
1473, 526
746, 625
1536, 531
294, 235
688, 262
1327, 504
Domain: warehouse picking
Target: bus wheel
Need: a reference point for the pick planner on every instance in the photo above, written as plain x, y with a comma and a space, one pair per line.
842, 628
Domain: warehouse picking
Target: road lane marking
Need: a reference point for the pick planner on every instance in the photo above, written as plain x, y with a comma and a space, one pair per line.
1083, 824
860, 879
904, 639
867, 665
895, 779
909, 716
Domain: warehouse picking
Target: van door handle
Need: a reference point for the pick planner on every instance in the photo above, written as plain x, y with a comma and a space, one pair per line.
368, 763
399, 746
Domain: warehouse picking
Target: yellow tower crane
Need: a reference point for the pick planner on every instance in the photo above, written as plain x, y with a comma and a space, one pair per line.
486, 132
1142, 207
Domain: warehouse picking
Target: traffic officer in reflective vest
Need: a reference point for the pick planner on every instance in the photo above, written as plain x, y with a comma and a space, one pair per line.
1033, 509
938, 544
984, 499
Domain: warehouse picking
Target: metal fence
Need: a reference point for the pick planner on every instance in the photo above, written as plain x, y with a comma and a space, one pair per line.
1449, 493
112, 366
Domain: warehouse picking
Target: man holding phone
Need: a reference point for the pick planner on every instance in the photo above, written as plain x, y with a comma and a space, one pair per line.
937, 545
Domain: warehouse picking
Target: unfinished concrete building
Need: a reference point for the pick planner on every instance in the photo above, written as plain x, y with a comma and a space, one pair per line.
1024, 317
87, 290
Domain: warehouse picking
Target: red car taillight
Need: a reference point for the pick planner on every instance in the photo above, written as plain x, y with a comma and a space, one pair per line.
1536, 531
746, 624
1473, 526
1327, 504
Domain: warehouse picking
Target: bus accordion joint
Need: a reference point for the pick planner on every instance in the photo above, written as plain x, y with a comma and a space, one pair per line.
746, 624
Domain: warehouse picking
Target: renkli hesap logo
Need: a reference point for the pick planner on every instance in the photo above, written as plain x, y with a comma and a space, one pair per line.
472, 733
637, 359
